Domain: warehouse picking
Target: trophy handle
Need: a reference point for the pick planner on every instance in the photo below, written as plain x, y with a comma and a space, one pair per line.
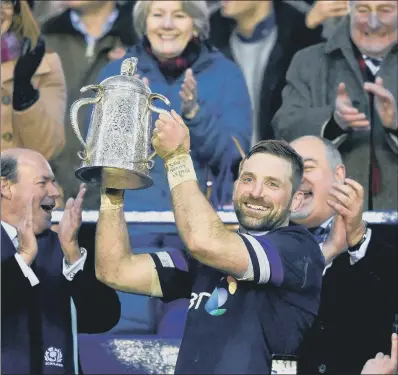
74, 114
151, 107
156, 109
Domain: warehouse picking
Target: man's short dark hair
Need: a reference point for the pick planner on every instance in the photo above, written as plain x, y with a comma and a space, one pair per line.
284, 151
9, 167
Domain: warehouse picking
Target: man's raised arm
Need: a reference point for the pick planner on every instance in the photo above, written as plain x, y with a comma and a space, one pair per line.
115, 264
205, 235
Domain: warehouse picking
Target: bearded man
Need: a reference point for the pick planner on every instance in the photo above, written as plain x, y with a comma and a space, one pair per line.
254, 293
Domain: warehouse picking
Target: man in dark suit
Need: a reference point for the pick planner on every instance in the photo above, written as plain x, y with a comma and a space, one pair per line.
360, 284
42, 272
262, 37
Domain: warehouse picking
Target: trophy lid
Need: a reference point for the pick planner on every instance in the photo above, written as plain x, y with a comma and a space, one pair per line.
126, 77
129, 66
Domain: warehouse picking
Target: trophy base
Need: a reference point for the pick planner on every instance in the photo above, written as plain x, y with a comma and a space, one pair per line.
115, 178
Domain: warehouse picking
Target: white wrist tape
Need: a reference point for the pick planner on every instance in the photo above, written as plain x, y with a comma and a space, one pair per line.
180, 169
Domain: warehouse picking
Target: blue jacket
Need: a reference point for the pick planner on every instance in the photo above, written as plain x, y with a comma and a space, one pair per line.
225, 111
36, 330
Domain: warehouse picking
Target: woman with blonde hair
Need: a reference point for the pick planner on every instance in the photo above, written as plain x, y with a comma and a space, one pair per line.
206, 88
32, 84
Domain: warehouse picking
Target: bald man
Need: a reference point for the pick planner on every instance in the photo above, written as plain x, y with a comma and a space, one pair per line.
41, 271
359, 290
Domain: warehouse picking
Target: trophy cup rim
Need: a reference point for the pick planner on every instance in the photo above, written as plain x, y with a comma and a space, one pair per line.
114, 177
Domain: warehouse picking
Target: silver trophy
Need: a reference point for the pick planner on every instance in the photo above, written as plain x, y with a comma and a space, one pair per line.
116, 153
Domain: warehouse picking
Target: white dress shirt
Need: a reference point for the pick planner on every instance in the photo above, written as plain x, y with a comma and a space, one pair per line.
355, 256
69, 271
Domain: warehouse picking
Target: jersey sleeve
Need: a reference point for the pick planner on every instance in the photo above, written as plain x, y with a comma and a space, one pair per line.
287, 257
173, 270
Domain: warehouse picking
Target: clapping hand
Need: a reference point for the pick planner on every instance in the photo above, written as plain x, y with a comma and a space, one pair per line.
336, 242
69, 226
348, 202
325, 9
346, 115
188, 94
385, 103
27, 243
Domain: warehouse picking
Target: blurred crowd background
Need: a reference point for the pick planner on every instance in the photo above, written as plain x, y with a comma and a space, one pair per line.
235, 72
240, 97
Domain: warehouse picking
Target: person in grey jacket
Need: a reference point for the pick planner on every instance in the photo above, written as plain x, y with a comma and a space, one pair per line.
345, 90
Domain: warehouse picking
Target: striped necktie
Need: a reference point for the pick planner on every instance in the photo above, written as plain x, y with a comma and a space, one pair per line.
373, 64
318, 233
369, 68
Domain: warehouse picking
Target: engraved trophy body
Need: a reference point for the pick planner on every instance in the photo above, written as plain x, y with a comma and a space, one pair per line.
116, 153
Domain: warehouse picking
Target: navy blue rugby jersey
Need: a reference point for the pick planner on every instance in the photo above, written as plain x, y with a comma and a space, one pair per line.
234, 327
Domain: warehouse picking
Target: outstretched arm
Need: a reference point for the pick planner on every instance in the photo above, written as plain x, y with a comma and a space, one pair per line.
206, 237
115, 264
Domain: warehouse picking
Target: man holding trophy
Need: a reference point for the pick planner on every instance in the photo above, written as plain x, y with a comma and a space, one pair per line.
253, 293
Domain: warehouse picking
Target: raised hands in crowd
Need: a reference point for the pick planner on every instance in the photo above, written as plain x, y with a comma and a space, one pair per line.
384, 363
385, 103
27, 243
188, 94
348, 227
348, 203
347, 116
323, 10
67, 230
69, 226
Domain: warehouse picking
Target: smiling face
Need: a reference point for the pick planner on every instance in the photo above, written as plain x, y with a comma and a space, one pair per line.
35, 178
263, 193
168, 28
7, 12
374, 26
317, 181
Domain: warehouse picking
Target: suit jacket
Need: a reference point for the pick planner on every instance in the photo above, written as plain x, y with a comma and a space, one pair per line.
293, 36
36, 331
309, 100
357, 309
